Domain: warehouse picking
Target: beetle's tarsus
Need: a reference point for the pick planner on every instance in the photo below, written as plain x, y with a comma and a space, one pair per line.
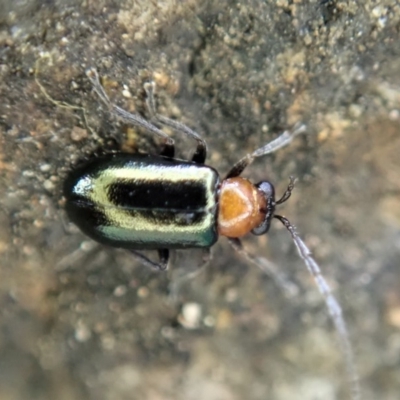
200, 154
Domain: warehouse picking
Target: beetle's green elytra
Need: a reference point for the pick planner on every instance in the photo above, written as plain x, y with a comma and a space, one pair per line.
138, 201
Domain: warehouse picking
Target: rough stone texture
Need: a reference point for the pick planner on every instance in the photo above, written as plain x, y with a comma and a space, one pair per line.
81, 321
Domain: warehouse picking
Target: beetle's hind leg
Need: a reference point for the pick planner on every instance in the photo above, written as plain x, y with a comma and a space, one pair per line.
162, 265
133, 119
180, 276
201, 150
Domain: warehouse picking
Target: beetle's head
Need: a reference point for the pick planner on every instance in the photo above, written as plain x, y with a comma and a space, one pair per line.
245, 207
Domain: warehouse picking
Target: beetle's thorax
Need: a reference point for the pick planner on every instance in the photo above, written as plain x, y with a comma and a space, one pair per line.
243, 208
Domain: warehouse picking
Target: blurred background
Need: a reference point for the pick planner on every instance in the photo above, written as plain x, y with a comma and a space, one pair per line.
83, 321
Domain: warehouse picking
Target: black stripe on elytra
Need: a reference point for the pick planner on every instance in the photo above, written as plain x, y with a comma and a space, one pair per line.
168, 218
159, 195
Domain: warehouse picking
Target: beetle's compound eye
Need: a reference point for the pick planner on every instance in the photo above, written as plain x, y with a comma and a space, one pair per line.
268, 191
242, 207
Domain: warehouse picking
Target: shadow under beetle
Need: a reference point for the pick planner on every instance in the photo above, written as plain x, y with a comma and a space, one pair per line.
157, 202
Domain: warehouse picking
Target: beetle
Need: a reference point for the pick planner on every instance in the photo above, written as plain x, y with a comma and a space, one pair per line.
158, 202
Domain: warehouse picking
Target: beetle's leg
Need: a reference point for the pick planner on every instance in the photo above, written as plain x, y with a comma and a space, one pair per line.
332, 304
267, 267
180, 276
201, 151
133, 119
161, 266
281, 141
58, 103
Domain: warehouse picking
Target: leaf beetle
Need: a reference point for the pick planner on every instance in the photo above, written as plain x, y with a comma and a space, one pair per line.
158, 202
